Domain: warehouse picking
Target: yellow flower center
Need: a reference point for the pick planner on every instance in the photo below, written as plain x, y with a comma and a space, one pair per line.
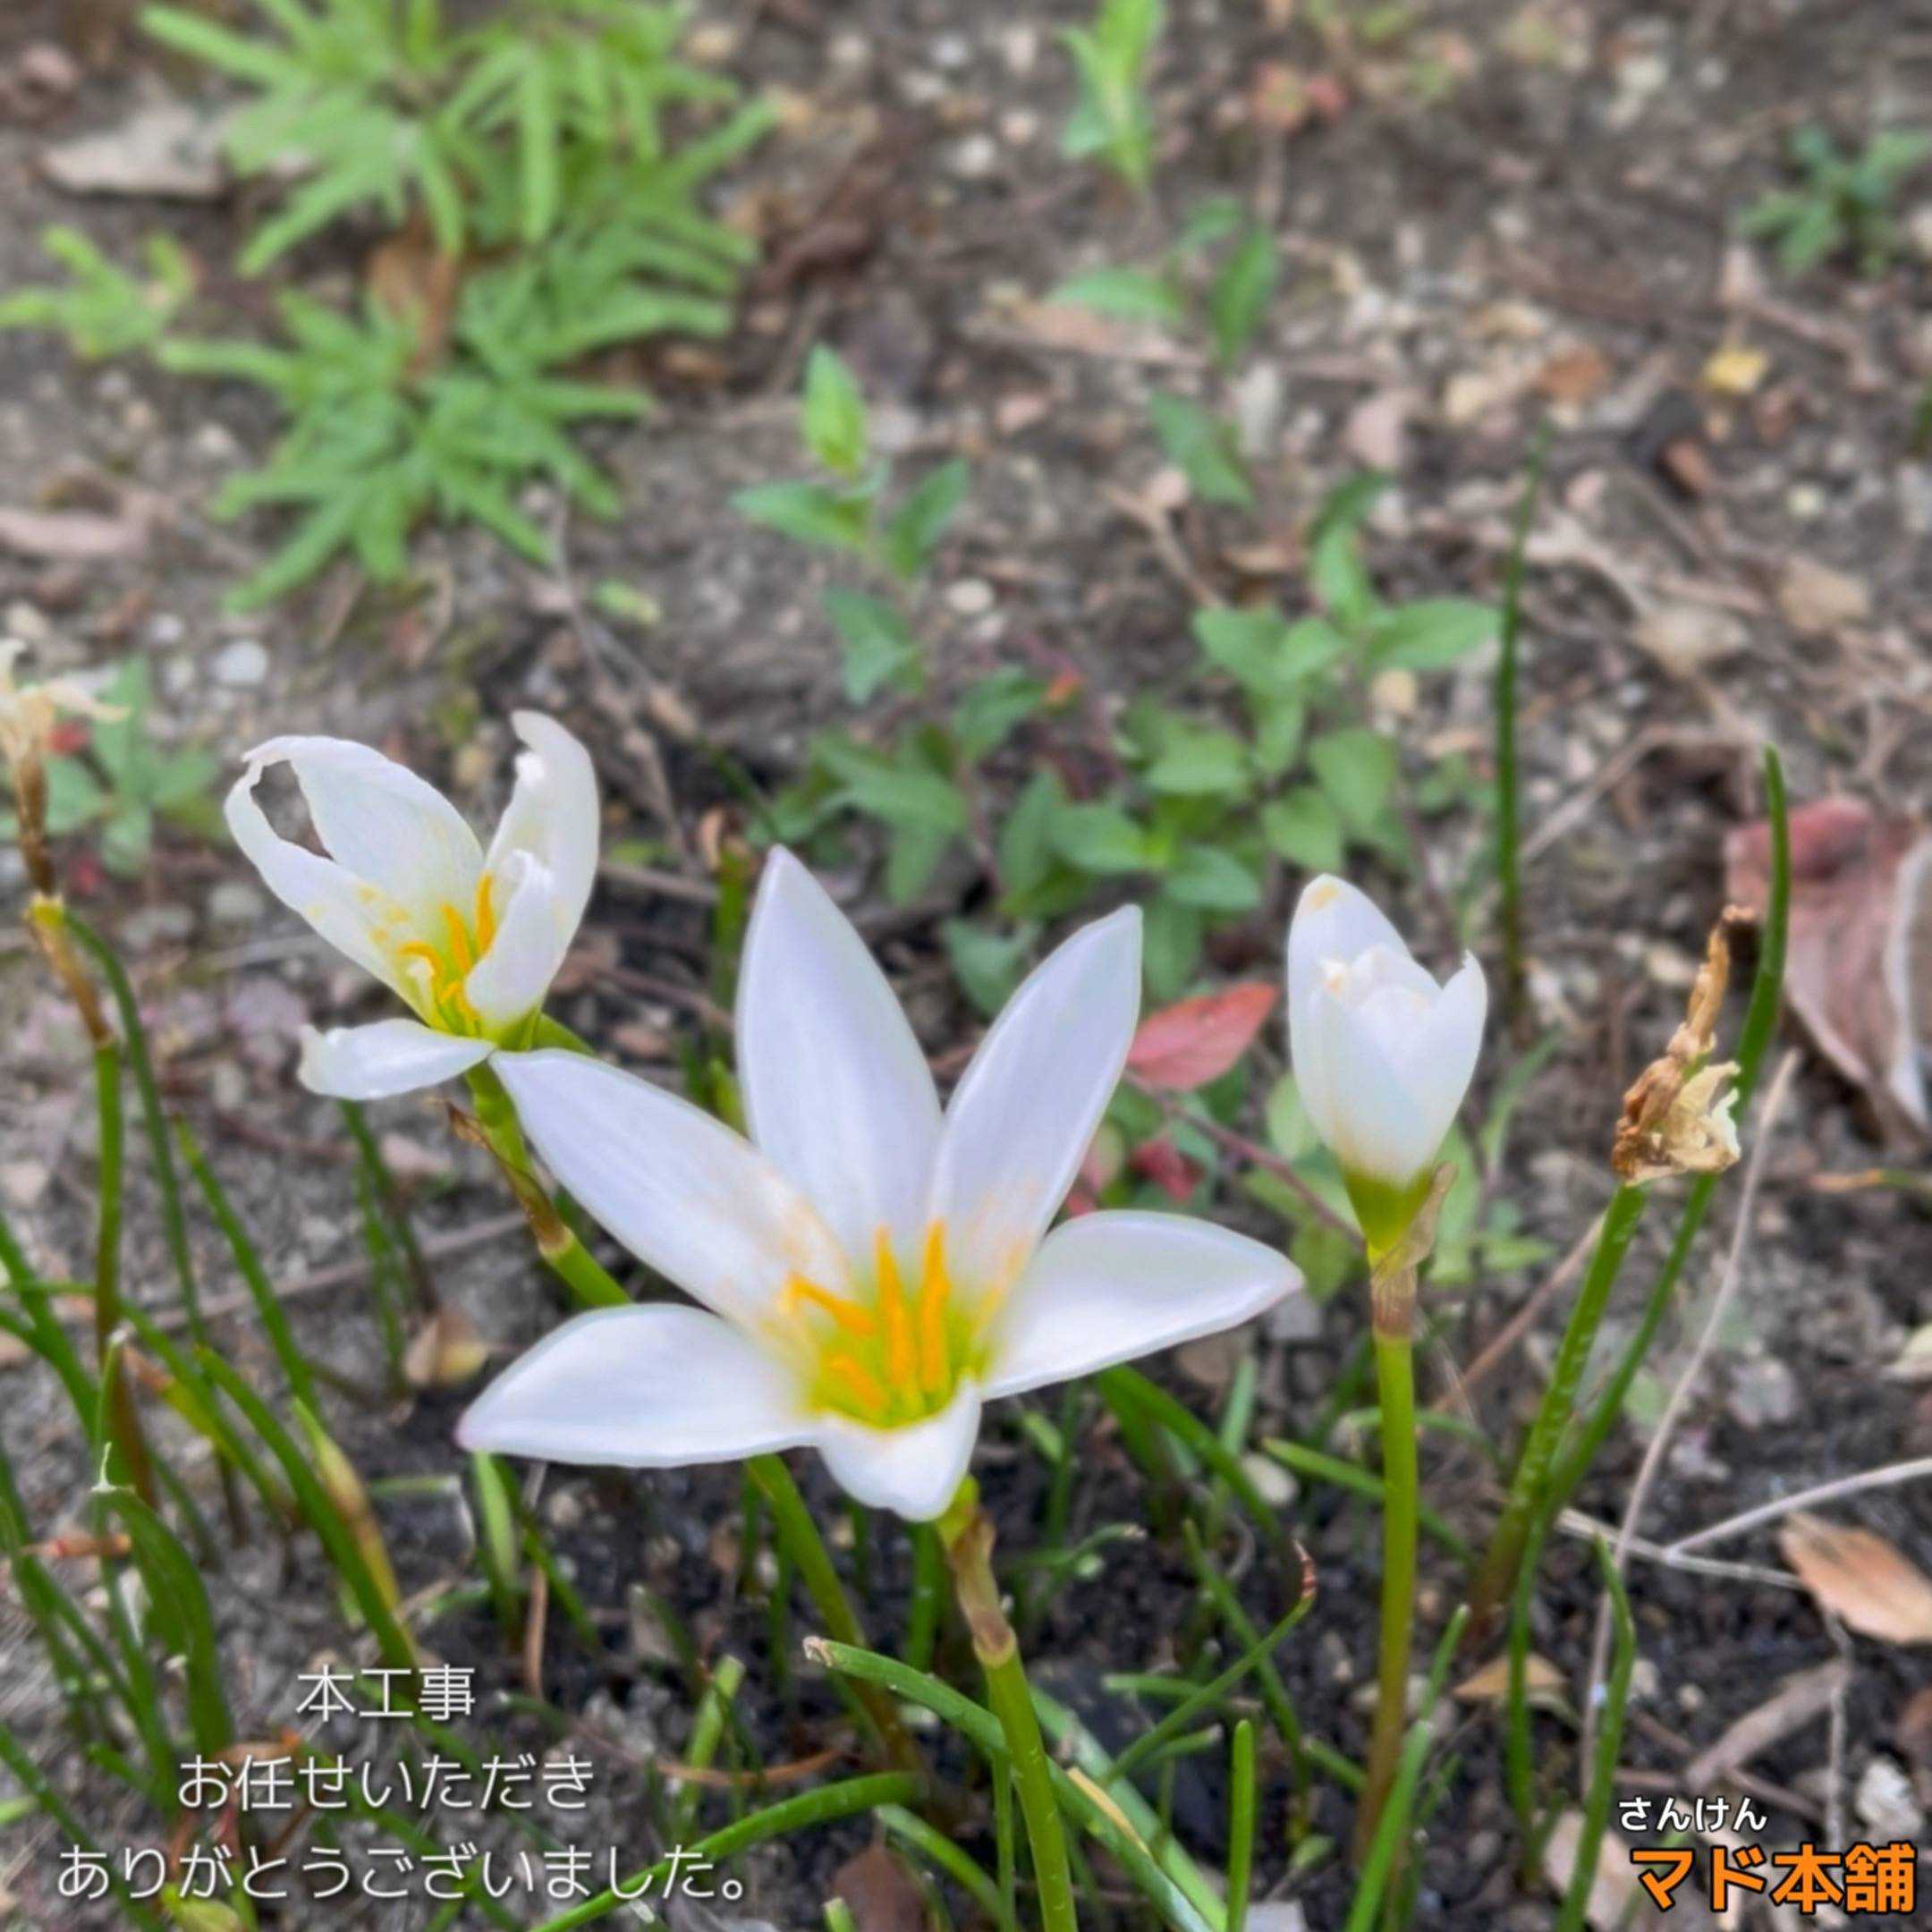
896, 1358
439, 964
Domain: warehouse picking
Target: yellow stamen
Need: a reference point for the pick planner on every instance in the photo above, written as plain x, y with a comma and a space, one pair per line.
934, 1289
485, 917
864, 1386
854, 1319
458, 940
899, 1353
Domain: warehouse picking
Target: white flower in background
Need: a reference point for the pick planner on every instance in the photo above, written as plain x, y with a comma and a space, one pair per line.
1383, 1056
870, 1271
469, 939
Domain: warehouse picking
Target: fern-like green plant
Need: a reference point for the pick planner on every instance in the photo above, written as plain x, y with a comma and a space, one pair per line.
1841, 204
102, 309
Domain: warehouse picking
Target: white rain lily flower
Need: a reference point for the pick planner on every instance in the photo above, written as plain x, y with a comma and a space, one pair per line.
469, 939
870, 1270
1383, 1056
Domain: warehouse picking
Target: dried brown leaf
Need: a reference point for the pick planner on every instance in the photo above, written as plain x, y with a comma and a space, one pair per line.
1543, 1683
880, 1892
1858, 966
1860, 1578
446, 1351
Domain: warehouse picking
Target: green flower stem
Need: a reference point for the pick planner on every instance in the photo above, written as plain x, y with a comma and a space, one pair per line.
966, 1531
590, 1284
792, 1523
1496, 1575
1394, 1358
124, 1420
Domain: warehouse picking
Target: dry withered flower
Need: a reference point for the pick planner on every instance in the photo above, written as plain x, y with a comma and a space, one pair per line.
1677, 1115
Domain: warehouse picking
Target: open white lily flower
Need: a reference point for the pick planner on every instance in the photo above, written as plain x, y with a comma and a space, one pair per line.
469, 939
1383, 1056
870, 1271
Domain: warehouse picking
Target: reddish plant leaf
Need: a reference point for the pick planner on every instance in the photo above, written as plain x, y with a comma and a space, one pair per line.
1185, 1045
1858, 968
1163, 1164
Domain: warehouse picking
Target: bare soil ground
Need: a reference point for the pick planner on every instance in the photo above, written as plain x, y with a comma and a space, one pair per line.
1516, 211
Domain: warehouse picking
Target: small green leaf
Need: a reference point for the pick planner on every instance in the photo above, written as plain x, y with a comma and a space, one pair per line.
1025, 840
75, 797
911, 859
127, 838
536, 146
1170, 946
909, 796
1357, 770
1126, 294
1290, 1131
1277, 738
1203, 763
1202, 447
1263, 652
879, 647
1339, 578
1304, 828
921, 518
181, 777
1430, 634
988, 965
1212, 879
1101, 839
991, 708
121, 744
809, 513
1241, 294
833, 418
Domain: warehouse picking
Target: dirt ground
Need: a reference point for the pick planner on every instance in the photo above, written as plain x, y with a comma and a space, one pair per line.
1515, 211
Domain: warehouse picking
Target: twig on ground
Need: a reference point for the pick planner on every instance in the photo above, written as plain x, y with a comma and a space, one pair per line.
1882, 1477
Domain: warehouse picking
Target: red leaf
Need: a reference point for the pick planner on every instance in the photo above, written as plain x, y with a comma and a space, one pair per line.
1856, 968
1167, 1166
1185, 1045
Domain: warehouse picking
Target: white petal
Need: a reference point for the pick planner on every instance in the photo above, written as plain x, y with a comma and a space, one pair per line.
342, 908
1438, 1060
533, 933
388, 1057
1332, 920
684, 1194
553, 814
1021, 1118
1356, 1096
1107, 1287
914, 1470
836, 1092
378, 820
642, 1388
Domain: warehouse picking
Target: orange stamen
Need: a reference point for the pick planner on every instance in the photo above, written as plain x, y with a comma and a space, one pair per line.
934, 1289
854, 1319
899, 1352
865, 1386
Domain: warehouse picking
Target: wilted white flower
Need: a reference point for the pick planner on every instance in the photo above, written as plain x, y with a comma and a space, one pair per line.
1383, 1056
870, 1270
469, 939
